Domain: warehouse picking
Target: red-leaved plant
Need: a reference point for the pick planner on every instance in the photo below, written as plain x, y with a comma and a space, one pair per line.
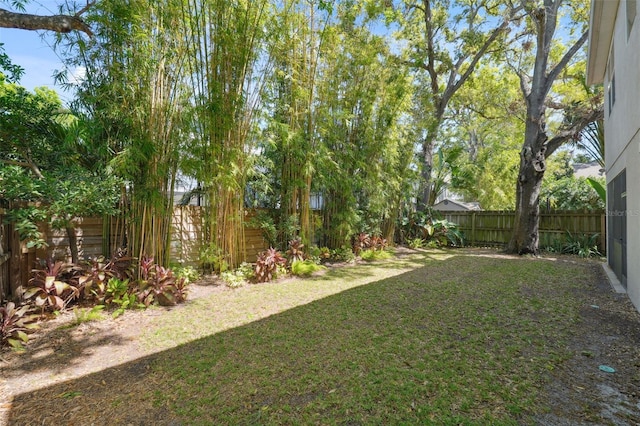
295, 252
159, 284
50, 287
15, 324
267, 265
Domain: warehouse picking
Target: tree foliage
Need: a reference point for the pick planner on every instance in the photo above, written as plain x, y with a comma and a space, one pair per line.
38, 163
369, 107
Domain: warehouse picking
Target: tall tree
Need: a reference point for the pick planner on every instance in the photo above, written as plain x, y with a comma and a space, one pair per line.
486, 118
537, 78
225, 41
134, 93
38, 162
295, 49
362, 102
445, 42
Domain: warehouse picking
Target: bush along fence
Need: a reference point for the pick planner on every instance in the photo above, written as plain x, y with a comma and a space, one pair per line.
494, 228
98, 236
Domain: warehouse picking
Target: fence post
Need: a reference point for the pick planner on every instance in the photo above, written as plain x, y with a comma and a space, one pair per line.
473, 228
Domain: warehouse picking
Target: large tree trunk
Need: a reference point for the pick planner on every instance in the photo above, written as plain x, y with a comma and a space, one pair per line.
425, 176
532, 167
525, 230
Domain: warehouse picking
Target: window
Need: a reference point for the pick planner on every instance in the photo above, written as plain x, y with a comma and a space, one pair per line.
611, 86
631, 15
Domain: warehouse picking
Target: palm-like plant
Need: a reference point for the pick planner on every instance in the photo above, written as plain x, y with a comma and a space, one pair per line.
15, 324
50, 288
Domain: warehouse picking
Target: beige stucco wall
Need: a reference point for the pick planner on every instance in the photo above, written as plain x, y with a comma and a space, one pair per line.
622, 137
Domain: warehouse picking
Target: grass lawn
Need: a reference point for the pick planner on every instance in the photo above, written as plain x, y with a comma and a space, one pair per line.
438, 337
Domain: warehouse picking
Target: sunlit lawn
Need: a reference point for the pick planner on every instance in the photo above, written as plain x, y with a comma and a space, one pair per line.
435, 337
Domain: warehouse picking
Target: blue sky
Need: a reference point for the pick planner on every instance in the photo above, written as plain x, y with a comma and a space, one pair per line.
32, 49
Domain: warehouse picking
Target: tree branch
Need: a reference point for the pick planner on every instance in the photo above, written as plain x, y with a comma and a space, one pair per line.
57, 23
574, 129
453, 87
555, 72
36, 171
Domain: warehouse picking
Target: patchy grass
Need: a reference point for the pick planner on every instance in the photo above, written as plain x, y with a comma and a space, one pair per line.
433, 338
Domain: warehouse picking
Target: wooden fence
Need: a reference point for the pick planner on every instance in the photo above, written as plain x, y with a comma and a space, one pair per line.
494, 228
186, 239
485, 228
17, 261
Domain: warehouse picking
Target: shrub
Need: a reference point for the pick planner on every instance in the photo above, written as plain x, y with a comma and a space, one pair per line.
415, 243
159, 284
378, 243
320, 254
267, 265
49, 287
343, 254
362, 242
189, 273
212, 259
295, 252
121, 294
96, 273
15, 324
371, 255
233, 279
305, 267
582, 245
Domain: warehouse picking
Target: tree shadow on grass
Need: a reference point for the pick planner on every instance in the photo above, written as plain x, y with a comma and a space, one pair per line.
427, 346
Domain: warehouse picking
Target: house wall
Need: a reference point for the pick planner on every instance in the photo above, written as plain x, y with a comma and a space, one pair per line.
622, 135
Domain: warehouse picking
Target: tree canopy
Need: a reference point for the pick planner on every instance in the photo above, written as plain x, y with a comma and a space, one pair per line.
336, 117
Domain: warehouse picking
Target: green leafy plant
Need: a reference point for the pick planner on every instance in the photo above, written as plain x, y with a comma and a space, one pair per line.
118, 293
247, 271
96, 273
319, 254
445, 232
50, 288
415, 243
189, 273
343, 254
371, 255
267, 265
15, 325
305, 267
25, 221
581, 245
82, 315
213, 259
233, 279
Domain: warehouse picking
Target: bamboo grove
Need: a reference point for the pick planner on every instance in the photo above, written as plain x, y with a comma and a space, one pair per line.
312, 110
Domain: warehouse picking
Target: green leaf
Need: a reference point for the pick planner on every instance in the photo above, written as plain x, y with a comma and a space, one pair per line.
602, 192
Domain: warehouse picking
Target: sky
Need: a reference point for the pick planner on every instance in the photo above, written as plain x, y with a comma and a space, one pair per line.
32, 49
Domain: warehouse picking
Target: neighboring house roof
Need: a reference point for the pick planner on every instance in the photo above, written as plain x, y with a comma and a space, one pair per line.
585, 170
448, 204
601, 24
